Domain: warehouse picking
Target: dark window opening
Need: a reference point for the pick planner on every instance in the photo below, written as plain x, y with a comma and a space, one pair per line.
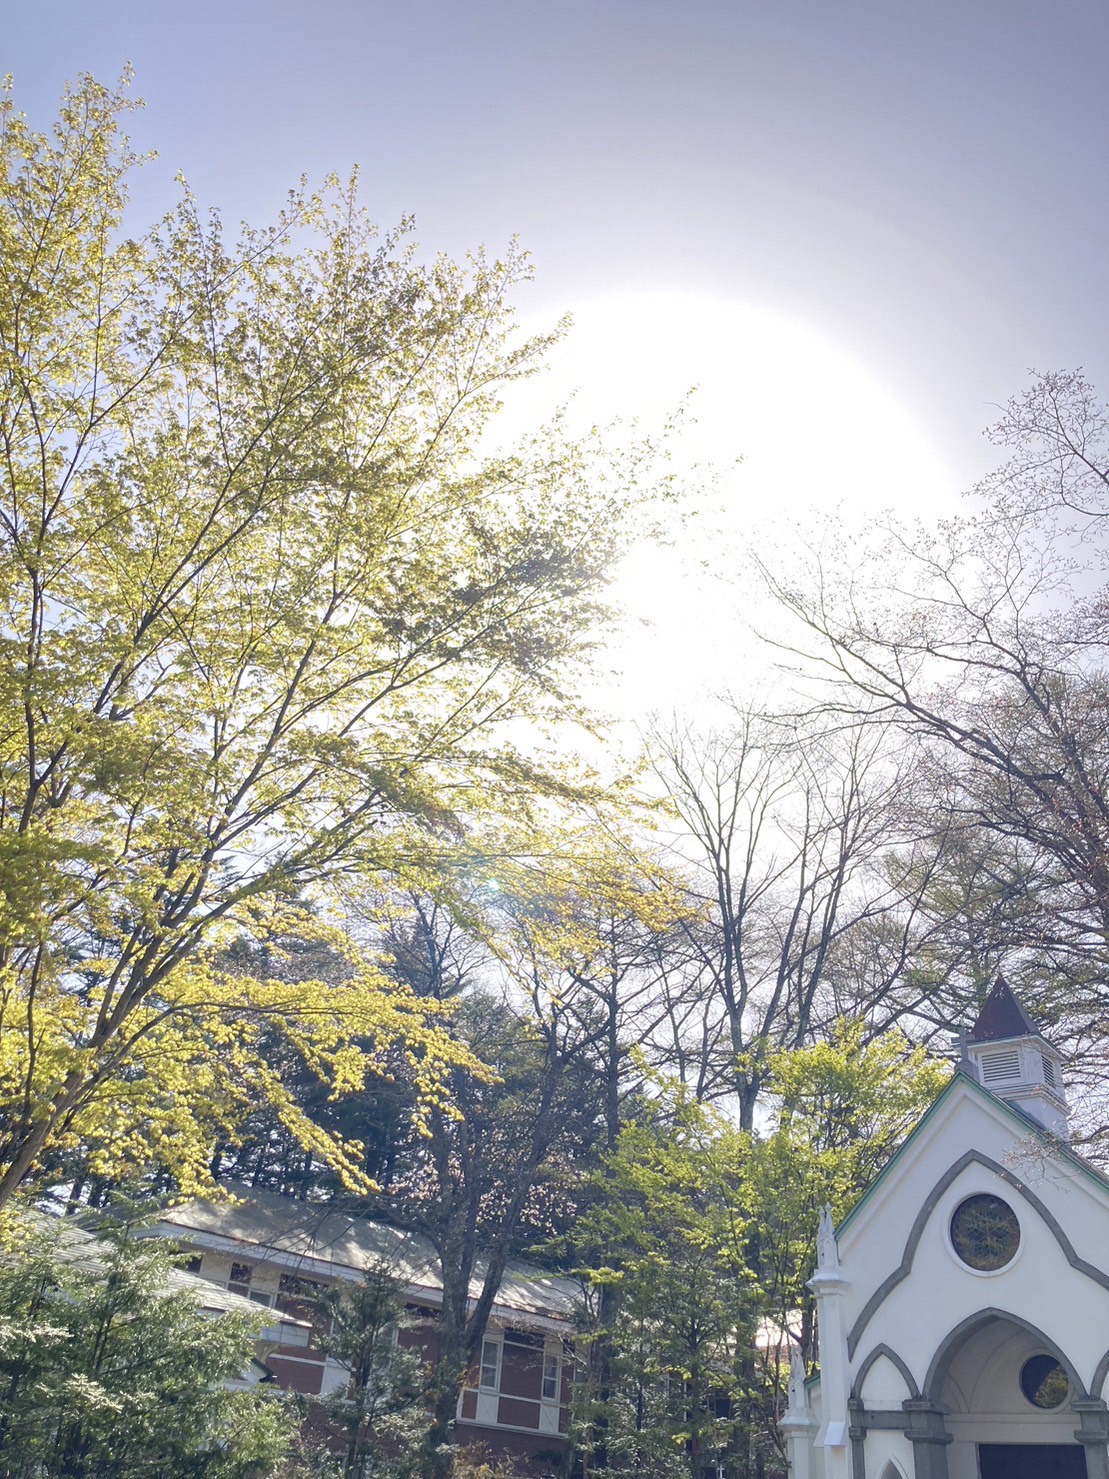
239, 1280
1044, 1382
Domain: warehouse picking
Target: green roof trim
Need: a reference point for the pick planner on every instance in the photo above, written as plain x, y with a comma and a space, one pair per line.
1056, 1146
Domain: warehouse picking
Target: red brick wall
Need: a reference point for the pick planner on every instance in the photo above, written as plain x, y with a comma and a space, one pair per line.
525, 1448
297, 1376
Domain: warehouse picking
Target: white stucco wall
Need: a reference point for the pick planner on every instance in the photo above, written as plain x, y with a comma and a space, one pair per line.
905, 1288
1039, 1286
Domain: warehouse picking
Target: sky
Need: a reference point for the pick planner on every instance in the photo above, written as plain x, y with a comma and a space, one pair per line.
856, 225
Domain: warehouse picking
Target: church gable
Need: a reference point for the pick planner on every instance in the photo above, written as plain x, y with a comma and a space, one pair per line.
968, 1126
951, 1221
963, 1306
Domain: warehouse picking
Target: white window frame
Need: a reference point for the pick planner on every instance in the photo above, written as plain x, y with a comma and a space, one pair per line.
286, 1333
493, 1344
552, 1372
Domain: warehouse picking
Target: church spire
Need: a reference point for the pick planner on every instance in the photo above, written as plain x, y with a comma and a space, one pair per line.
1016, 1062
1002, 1016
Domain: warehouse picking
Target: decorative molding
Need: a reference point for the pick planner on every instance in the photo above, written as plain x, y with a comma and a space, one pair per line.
928, 1206
858, 1454
891, 1355
1093, 1434
886, 1419
973, 1323
1100, 1374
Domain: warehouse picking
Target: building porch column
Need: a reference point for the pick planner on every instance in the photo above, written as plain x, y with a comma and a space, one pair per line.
1093, 1434
927, 1432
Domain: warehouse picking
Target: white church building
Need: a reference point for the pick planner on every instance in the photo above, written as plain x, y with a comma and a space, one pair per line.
963, 1304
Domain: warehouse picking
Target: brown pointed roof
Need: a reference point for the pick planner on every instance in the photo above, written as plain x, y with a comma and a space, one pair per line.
1002, 1016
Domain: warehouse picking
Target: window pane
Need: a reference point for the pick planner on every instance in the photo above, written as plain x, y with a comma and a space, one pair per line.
490, 1353
1044, 1382
285, 1334
299, 1297
985, 1232
551, 1365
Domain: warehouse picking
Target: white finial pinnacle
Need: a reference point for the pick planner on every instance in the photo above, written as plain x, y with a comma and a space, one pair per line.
827, 1252
796, 1380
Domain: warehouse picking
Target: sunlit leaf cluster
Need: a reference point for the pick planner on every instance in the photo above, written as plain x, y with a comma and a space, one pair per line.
272, 616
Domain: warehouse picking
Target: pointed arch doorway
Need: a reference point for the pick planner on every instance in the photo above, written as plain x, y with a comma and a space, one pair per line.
1006, 1402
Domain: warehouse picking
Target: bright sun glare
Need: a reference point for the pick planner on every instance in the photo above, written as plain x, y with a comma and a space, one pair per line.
817, 434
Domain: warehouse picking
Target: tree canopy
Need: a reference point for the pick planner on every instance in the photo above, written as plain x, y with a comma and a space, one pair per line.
107, 1368
293, 893
978, 644
269, 616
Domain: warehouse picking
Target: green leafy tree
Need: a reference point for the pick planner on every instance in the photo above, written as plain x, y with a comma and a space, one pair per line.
670, 1310
696, 1241
267, 618
109, 1370
477, 1183
566, 922
841, 1109
380, 1410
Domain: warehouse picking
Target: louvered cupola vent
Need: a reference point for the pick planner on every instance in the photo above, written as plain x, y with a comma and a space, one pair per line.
1001, 1066
1014, 1061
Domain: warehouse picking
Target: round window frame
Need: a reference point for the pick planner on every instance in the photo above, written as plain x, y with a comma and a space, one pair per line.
981, 1273
1068, 1393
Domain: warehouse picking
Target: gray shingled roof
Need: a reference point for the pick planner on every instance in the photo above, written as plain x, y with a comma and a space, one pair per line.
321, 1240
84, 1250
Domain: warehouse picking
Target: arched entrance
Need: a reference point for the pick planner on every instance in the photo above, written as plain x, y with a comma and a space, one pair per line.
1002, 1401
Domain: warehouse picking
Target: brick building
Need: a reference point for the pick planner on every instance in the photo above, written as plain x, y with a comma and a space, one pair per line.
282, 1254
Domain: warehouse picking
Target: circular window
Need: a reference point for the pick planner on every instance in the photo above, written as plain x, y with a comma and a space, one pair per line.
985, 1232
1044, 1382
